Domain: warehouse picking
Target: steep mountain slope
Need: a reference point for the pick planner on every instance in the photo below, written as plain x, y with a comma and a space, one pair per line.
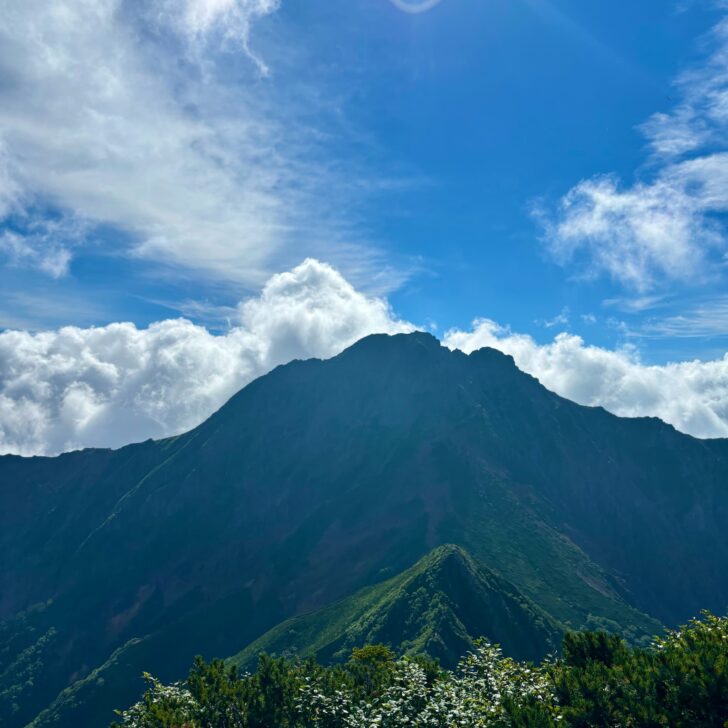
324, 477
439, 606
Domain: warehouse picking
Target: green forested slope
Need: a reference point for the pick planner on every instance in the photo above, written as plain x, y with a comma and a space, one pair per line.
439, 607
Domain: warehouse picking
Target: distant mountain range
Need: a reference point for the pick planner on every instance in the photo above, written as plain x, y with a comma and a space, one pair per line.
399, 492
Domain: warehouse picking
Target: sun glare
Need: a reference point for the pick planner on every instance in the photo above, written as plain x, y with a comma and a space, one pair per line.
414, 6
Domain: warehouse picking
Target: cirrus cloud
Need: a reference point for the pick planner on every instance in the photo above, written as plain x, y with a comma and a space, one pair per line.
149, 126
232, 17
670, 226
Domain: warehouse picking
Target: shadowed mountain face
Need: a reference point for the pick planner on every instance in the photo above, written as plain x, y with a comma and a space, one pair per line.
324, 477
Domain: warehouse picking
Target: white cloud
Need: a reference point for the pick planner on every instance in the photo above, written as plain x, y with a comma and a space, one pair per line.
643, 235
115, 384
235, 16
121, 114
561, 319
232, 17
44, 244
701, 116
706, 318
10, 192
667, 228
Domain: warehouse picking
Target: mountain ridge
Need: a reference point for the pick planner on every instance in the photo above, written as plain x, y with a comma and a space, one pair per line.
438, 606
314, 478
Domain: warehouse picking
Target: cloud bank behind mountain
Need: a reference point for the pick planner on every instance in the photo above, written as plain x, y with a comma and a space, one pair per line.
110, 385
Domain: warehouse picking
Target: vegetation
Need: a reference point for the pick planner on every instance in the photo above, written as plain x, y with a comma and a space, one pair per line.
680, 681
439, 606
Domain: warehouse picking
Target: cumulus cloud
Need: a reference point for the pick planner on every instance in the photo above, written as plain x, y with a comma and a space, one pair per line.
115, 384
666, 228
110, 385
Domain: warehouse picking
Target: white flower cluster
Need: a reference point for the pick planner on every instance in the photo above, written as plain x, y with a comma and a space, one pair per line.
697, 630
473, 696
174, 700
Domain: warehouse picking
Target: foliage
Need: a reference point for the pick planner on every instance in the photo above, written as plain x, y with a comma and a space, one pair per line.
161, 706
25, 642
438, 606
680, 681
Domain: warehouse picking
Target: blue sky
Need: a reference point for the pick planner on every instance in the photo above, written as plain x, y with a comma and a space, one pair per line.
497, 106
457, 121
555, 166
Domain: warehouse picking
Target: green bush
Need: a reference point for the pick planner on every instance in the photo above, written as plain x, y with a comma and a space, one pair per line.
680, 681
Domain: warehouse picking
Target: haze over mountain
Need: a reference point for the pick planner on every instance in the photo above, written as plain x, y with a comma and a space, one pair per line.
323, 478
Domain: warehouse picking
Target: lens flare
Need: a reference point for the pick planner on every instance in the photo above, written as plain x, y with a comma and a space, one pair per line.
414, 6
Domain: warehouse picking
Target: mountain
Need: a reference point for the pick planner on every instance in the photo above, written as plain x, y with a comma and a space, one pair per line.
439, 606
325, 477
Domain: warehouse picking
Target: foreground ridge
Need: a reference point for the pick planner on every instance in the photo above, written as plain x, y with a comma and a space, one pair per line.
439, 607
680, 681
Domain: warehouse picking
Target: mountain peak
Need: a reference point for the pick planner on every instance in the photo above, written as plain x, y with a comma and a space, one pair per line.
439, 606
320, 478
448, 553
423, 342
381, 342
488, 353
